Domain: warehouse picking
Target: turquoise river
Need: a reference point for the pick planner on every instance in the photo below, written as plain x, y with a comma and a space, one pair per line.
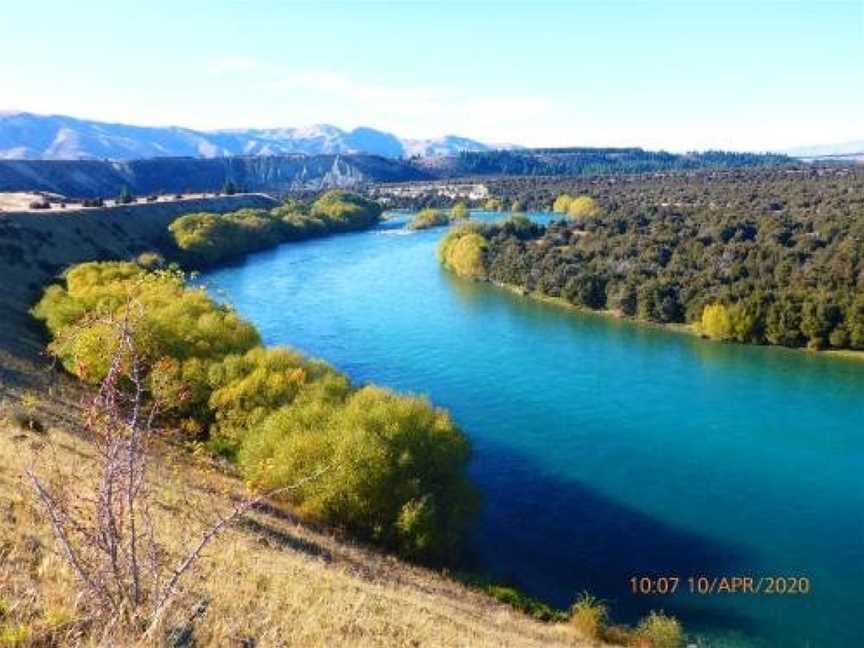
605, 450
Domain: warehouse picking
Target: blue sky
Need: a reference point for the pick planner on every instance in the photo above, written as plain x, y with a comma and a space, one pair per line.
677, 75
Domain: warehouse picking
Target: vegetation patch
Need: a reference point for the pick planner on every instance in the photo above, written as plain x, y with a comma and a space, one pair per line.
206, 238
392, 469
784, 266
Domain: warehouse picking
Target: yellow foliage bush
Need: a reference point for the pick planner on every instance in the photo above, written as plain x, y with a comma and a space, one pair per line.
589, 616
427, 218
462, 251
562, 203
660, 631
392, 467
395, 466
583, 207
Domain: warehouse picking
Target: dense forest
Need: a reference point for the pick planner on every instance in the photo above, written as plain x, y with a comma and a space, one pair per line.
206, 238
591, 161
760, 256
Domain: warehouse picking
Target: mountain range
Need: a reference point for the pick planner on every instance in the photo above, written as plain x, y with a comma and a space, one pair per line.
28, 136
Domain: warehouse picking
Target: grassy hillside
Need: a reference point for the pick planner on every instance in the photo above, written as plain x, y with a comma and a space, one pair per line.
269, 580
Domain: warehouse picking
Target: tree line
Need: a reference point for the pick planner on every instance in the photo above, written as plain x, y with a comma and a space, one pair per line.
766, 258
206, 238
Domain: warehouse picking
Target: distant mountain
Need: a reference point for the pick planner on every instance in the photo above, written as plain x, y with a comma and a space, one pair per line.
57, 137
277, 174
847, 150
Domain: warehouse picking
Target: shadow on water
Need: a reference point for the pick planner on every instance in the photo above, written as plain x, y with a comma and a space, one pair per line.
555, 538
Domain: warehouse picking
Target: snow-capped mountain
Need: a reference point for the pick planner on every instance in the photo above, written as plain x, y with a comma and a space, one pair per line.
30, 136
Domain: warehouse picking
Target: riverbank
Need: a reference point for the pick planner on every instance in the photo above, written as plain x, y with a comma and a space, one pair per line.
672, 327
285, 608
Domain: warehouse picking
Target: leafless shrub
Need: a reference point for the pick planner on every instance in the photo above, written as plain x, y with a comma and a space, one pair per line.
104, 524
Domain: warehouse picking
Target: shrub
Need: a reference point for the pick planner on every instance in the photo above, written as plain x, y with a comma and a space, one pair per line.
177, 322
150, 260
459, 212
25, 420
394, 467
516, 598
660, 631
589, 616
562, 203
247, 388
493, 204
429, 218
207, 238
40, 204
462, 251
583, 207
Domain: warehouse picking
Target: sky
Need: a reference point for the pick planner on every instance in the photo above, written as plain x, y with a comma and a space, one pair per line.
756, 75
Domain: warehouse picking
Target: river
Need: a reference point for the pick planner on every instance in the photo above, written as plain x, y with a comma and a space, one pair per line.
604, 450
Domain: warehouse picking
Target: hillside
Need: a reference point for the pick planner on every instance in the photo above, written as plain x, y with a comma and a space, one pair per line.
58, 137
91, 178
36, 246
267, 581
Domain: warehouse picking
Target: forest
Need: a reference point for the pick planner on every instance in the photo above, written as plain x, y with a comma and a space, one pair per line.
592, 161
757, 256
206, 238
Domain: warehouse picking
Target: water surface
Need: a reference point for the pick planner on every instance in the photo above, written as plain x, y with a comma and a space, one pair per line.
603, 449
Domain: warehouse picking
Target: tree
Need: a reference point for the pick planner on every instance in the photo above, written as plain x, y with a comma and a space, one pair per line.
229, 188
716, 322
459, 212
427, 218
583, 207
562, 203
493, 204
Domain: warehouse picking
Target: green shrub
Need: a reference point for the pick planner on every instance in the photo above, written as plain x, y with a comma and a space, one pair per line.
172, 321
516, 598
589, 616
459, 212
429, 218
493, 204
394, 467
247, 388
206, 238
660, 631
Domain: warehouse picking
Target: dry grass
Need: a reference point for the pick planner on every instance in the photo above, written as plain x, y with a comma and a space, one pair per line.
269, 582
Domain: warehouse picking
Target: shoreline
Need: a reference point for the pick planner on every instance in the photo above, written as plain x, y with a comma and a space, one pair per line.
672, 327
